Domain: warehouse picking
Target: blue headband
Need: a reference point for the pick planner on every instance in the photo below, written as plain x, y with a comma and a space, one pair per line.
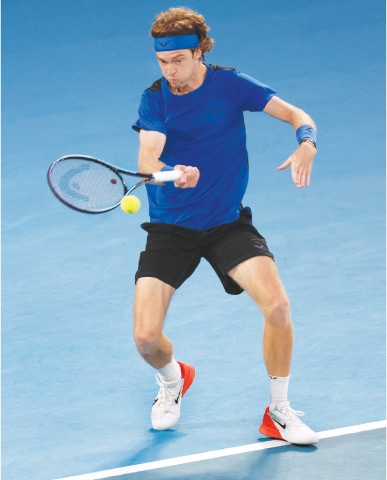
177, 42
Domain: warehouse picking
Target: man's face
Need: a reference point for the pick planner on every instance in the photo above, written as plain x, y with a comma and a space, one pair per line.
178, 66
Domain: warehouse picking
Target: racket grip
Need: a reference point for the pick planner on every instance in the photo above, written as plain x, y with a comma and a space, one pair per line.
166, 176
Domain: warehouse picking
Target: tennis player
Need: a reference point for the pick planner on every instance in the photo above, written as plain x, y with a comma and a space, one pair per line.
191, 120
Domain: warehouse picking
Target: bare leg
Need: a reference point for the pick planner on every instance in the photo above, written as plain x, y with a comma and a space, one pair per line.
259, 277
151, 301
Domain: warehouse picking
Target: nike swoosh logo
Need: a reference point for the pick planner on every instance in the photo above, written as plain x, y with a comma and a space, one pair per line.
177, 400
282, 425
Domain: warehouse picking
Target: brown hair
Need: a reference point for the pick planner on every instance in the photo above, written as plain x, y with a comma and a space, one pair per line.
182, 21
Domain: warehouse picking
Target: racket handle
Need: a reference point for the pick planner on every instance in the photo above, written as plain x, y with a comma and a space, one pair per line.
166, 176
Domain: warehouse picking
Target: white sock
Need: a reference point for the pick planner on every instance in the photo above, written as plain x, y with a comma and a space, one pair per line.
171, 372
278, 390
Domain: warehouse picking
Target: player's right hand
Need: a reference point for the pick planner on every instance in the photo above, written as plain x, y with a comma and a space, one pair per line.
189, 176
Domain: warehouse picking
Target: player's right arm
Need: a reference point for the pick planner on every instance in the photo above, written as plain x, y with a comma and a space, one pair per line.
151, 147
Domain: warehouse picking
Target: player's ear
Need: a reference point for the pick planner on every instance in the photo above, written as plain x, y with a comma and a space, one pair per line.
197, 54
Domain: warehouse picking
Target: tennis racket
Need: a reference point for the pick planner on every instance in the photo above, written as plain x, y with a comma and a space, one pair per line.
89, 185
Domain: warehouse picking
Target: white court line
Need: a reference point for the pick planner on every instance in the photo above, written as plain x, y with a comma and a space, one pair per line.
225, 452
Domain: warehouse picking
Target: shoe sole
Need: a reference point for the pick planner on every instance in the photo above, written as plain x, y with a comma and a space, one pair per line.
188, 374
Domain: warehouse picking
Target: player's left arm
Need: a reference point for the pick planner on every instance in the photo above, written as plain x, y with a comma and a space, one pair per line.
301, 161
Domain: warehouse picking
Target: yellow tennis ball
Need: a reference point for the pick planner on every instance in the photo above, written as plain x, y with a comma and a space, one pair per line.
130, 204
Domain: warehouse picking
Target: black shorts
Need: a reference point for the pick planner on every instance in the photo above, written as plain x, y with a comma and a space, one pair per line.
172, 253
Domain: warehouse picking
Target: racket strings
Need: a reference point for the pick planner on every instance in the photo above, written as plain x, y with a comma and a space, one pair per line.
87, 185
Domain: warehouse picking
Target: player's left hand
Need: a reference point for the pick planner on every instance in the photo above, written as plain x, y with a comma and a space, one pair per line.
301, 162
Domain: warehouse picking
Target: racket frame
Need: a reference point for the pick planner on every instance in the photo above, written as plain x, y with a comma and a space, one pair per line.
156, 177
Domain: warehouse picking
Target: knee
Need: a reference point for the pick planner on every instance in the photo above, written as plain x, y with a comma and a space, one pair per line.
146, 339
278, 312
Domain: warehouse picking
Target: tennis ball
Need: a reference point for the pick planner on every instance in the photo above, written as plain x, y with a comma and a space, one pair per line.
130, 204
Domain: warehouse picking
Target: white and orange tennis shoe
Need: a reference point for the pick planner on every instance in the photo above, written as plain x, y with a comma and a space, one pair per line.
167, 404
282, 422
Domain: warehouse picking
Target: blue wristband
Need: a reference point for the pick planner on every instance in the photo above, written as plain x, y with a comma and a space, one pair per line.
306, 131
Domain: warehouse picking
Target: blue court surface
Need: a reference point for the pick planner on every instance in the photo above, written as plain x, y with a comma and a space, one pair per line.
76, 397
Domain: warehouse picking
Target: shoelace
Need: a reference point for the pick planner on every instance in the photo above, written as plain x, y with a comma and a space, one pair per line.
291, 414
167, 391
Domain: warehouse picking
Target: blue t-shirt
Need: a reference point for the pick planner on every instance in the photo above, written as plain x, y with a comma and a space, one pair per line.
205, 129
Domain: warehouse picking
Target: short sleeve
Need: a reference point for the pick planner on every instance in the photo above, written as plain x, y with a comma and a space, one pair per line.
150, 113
253, 94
